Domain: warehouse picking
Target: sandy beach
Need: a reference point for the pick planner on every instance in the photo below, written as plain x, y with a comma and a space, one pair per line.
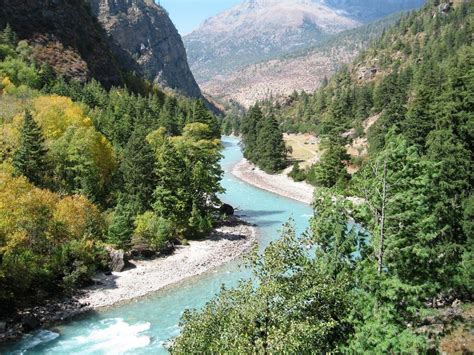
146, 276
280, 184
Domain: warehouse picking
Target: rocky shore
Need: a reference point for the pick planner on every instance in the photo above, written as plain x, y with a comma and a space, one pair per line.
225, 244
141, 277
279, 184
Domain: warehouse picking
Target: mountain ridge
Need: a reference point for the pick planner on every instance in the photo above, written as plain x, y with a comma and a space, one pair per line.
302, 70
259, 29
231, 44
104, 40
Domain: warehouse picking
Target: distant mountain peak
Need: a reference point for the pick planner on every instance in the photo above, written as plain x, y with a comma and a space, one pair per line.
256, 30
252, 15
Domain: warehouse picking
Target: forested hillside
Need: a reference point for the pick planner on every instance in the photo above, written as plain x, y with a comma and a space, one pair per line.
391, 273
83, 168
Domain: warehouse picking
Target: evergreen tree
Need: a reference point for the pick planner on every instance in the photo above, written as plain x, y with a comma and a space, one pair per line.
249, 131
137, 169
8, 36
201, 114
122, 226
30, 159
171, 198
331, 169
168, 116
419, 119
451, 185
271, 152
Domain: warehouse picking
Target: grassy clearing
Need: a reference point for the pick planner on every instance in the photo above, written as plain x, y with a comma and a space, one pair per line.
305, 148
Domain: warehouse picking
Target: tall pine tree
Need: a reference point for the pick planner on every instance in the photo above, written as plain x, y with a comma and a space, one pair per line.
249, 131
137, 169
30, 158
271, 152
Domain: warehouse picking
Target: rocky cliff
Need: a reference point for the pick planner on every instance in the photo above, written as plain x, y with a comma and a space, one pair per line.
65, 35
145, 32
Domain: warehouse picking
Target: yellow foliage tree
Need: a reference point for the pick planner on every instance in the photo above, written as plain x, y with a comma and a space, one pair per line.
25, 213
44, 238
79, 217
55, 114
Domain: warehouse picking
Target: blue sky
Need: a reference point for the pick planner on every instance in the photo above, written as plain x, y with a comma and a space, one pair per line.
189, 14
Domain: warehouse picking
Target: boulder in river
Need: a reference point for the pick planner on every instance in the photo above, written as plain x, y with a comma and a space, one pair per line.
227, 210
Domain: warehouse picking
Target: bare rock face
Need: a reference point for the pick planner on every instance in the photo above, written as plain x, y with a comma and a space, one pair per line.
144, 30
367, 74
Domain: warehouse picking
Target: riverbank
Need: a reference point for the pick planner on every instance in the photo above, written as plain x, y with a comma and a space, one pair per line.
146, 276
141, 278
280, 184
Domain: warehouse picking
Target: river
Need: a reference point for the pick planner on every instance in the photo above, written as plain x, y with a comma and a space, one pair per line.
145, 325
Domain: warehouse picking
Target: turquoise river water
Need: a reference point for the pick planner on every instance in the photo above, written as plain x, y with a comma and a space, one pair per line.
145, 325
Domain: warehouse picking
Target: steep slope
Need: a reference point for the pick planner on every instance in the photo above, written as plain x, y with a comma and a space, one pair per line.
257, 30
145, 32
65, 35
303, 70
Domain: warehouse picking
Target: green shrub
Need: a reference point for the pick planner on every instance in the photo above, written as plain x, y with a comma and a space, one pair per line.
152, 231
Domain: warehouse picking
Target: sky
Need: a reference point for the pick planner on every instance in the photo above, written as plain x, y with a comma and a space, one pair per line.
187, 15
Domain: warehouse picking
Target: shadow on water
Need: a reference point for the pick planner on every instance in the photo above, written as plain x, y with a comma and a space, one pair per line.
227, 144
262, 213
264, 224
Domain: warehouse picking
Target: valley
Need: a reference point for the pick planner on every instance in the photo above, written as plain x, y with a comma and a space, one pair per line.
293, 176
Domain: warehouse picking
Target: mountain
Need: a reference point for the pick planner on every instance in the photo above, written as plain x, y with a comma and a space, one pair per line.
255, 48
303, 70
398, 81
65, 35
145, 32
260, 29
103, 39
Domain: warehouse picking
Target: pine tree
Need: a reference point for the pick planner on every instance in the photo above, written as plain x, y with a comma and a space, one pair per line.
202, 115
331, 169
121, 229
249, 131
271, 152
30, 158
168, 116
8, 36
172, 200
137, 169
